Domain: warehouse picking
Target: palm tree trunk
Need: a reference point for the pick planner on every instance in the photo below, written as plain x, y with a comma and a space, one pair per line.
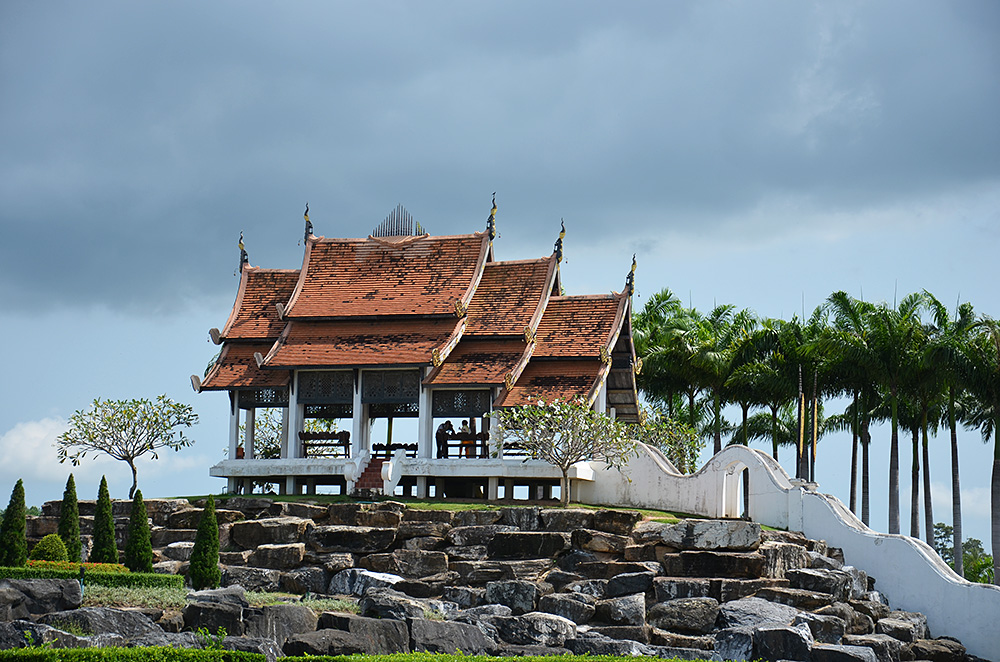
894, 464
717, 409
866, 440
915, 485
956, 491
928, 506
774, 432
995, 501
854, 458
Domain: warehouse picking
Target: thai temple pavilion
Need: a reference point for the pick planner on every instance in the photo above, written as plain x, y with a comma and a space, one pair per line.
404, 325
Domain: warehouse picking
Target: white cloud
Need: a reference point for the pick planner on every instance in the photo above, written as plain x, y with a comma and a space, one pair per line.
27, 450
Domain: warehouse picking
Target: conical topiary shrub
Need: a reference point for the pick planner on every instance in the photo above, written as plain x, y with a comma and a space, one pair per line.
204, 571
69, 521
49, 548
13, 544
138, 548
105, 549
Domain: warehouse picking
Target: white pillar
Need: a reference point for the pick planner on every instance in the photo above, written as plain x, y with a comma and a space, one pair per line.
421, 487
358, 422
494, 488
285, 419
496, 438
234, 423
295, 411
601, 402
425, 423
251, 433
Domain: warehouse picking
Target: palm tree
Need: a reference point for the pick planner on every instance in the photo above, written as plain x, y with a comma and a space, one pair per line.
981, 372
948, 341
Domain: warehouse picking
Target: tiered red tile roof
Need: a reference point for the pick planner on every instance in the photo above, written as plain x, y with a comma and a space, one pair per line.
554, 380
236, 368
480, 363
579, 326
255, 313
374, 277
510, 297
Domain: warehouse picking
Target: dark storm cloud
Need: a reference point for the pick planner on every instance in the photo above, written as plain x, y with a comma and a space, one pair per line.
137, 140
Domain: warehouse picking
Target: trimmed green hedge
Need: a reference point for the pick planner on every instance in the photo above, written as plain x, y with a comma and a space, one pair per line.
113, 579
441, 657
150, 654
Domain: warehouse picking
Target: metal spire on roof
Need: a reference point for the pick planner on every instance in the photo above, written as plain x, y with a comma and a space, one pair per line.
559, 242
630, 278
309, 225
244, 258
491, 222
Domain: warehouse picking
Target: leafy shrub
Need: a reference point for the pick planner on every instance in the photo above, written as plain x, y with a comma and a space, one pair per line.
140, 654
13, 544
140, 579
105, 549
69, 521
71, 566
204, 570
138, 548
49, 548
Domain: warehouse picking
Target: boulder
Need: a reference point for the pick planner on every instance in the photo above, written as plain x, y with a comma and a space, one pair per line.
474, 573
387, 603
271, 531
918, 620
42, 596
597, 588
300, 510
671, 588
535, 629
260, 645
714, 564
325, 642
795, 597
279, 557
559, 578
780, 557
876, 610
465, 536
230, 595
608, 569
430, 586
252, 579
859, 583
734, 644
354, 539
464, 596
527, 545
710, 535
475, 517
189, 517
628, 583
375, 636
22, 634
937, 650
160, 537
857, 622
599, 541
837, 583
379, 516
754, 612
334, 562
782, 642
427, 515
447, 637
466, 553
827, 629
686, 615
593, 643
625, 610
251, 507
703, 642
567, 519
577, 607
128, 624
305, 580
179, 551
520, 595
408, 530
905, 631
640, 633
726, 590
819, 561
619, 522
418, 563
355, 581
426, 543
278, 622
886, 648
12, 604
841, 653
214, 617
523, 518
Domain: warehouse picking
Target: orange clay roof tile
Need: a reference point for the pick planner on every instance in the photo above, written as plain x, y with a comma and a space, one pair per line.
254, 315
509, 296
361, 343
578, 326
236, 368
415, 276
554, 380
479, 362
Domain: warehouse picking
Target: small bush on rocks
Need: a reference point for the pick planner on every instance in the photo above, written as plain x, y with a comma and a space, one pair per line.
49, 548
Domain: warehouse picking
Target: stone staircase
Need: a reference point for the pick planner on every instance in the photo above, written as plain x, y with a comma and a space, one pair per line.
371, 478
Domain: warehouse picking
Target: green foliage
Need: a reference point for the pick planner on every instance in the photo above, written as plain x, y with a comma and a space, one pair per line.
13, 544
564, 433
138, 547
112, 579
49, 548
69, 521
126, 430
105, 548
74, 567
679, 442
139, 654
976, 563
211, 641
204, 570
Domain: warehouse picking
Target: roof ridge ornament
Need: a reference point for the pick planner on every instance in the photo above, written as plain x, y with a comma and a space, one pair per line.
244, 258
309, 226
630, 278
399, 223
558, 248
491, 222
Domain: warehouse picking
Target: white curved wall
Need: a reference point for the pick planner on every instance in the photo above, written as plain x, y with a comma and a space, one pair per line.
907, 571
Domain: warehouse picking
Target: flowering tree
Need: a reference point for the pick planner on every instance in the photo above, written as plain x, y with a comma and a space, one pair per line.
564, 433
126, 430
679, 442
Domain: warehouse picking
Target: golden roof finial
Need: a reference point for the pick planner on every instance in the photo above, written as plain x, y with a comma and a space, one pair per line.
309, 225
559, 242
630, 279
244, 258
491, 222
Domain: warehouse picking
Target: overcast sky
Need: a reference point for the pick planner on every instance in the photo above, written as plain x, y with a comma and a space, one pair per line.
759, 154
